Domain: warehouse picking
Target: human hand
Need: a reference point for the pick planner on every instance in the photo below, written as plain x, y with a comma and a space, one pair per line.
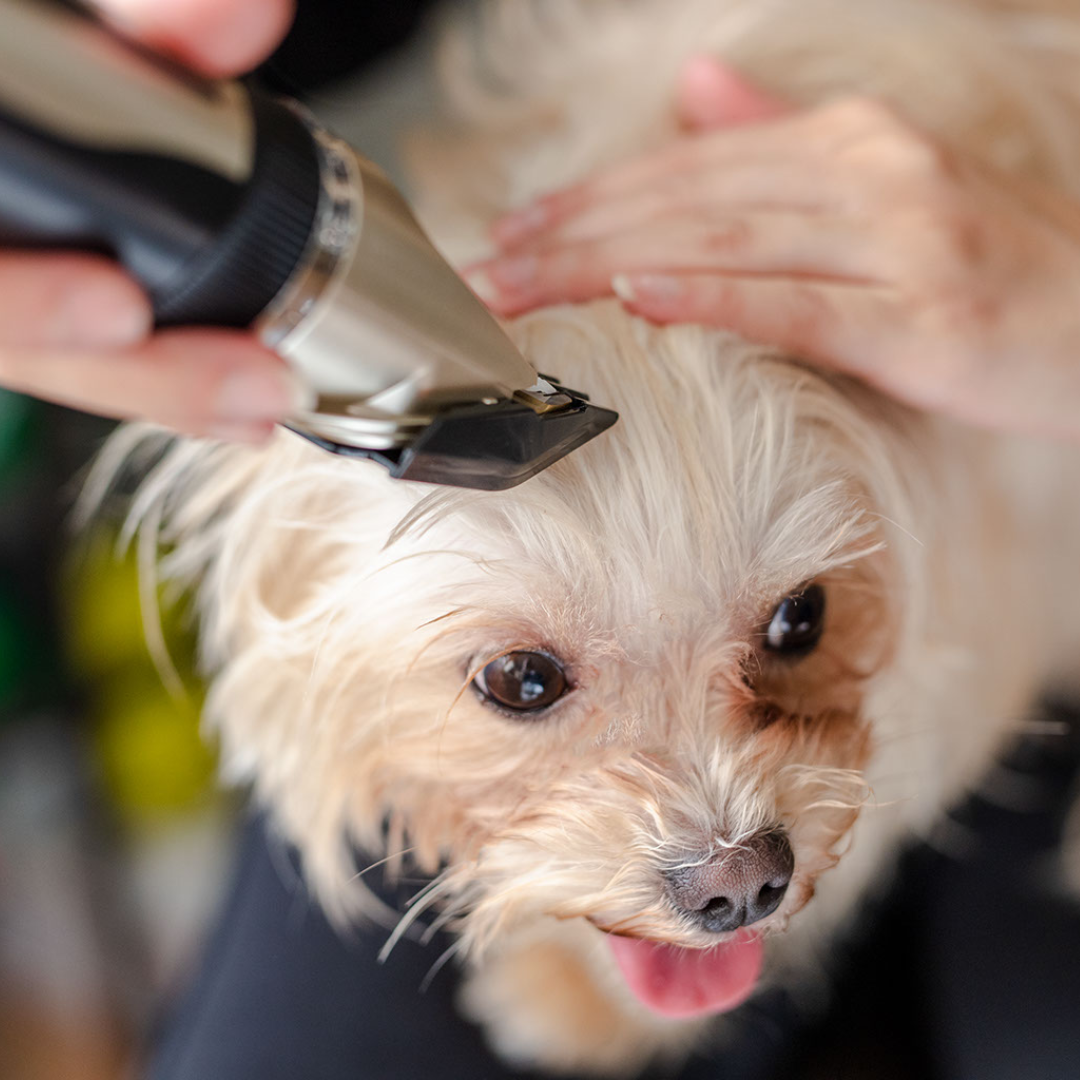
840, 233
75, 329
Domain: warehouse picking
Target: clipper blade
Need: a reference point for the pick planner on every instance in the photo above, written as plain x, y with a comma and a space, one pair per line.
490, 447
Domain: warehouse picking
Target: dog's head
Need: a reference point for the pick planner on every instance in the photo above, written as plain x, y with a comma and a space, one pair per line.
633, 691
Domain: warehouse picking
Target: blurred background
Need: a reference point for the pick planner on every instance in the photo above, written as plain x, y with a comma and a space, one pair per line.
115, 841
107, 800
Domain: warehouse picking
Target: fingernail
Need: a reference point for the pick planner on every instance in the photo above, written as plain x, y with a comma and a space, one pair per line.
520, 224
623, 288
262, 396
100, 313
639, 287
513, 274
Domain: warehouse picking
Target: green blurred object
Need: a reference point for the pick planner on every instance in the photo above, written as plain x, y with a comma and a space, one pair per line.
30, 669
17, 413
30, 673
14, 659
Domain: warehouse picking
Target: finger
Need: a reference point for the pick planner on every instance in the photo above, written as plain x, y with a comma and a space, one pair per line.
215, 382
773, 144
744, 188
835, 324
710, 94
819, 245
61, 300
216, 37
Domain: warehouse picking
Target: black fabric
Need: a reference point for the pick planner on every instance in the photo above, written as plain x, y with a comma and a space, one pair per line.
281, 996
1000, 945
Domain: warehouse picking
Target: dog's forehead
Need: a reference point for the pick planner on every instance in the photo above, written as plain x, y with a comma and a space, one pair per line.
727, 481
706, 417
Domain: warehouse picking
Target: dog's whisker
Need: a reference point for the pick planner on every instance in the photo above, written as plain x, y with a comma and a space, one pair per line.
479, 561
885, 519
447, 954
416, 905
458, 611
386, 860
437, 924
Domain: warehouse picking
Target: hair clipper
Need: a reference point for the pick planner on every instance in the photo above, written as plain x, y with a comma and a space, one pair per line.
233, 208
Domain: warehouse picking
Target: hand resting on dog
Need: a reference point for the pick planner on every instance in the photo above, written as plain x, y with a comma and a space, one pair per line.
840, 233
77, 330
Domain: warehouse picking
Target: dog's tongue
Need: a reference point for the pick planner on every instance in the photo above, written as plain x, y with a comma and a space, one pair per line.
689, 982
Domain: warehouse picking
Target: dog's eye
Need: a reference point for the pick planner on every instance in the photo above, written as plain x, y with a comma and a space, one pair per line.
523, 681
796, 624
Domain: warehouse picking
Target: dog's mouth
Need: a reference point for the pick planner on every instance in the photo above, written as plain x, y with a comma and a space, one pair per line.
676, 982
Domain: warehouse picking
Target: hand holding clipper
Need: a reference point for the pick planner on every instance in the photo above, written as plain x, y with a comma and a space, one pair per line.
233, 209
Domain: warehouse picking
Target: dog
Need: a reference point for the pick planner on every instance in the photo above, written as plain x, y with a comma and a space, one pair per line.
655, 721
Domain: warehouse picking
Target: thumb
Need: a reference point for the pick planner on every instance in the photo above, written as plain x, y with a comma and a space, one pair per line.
216, 37
710, 95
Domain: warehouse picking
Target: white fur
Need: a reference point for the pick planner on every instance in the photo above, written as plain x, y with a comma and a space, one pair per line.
344, 615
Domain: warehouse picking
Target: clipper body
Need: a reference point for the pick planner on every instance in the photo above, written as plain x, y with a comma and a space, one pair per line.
235, 209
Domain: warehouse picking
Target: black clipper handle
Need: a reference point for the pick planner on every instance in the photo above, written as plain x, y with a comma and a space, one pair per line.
205, 191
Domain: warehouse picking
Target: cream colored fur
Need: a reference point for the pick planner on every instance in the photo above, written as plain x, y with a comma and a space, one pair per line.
344, 615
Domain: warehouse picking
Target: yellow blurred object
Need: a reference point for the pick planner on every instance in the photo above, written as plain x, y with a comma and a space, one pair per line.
146, 703
153, 759
105, 625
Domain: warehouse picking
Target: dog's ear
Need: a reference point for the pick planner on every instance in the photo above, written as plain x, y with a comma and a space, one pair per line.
247, 531
280, 547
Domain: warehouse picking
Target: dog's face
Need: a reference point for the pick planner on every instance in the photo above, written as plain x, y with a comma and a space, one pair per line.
631, 691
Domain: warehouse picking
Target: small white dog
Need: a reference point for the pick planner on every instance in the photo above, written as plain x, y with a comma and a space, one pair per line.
658, 718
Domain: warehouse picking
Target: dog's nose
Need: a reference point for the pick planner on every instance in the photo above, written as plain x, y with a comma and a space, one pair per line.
737, 886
